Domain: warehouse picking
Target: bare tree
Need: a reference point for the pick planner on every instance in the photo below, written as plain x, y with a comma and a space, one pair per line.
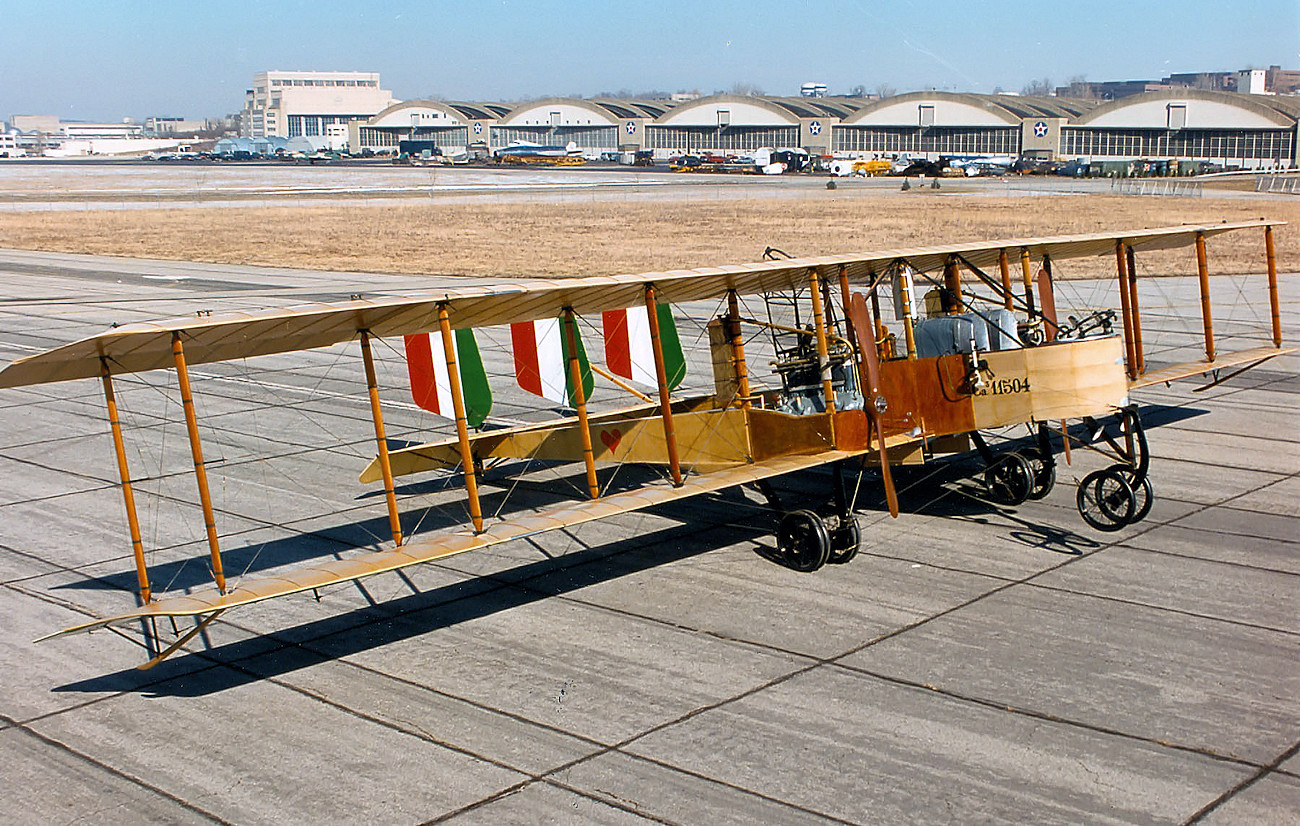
1040, 88
884, 90
745, 90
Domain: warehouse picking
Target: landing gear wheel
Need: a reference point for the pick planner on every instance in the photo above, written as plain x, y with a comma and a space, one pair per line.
1009, 479
1105, 500
802, 541
1044, 477
1143, 494
1136, 451
845, 541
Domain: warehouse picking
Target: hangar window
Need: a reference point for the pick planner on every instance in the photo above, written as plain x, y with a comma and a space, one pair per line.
555, 119
1177, 113
925, 115
724, 118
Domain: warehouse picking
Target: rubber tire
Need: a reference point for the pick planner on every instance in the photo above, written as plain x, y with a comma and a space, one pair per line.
1143, 492
802, 541
845, 541
1105, 500
1009, 479
1044, 477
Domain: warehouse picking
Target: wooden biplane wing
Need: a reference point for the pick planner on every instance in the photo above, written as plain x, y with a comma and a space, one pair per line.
1245, 359
450, 543
849, 389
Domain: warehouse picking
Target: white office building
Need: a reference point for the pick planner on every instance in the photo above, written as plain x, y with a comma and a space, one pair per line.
292, 104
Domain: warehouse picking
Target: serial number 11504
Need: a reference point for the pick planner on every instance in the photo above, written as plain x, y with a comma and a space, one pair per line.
1003, 387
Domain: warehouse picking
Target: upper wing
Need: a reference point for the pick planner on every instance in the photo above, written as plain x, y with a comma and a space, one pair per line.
140, 347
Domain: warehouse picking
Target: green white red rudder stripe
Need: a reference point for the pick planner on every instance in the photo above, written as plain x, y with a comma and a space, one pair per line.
430, 384
629, 351
541, 350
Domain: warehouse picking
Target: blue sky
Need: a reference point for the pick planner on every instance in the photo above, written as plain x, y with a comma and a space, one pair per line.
109, 60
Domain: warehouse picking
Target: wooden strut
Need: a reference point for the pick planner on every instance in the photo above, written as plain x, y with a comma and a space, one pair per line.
1273, 305
128, 495
381, 439
1126, 309
848, 328
1203, 271
1047, 300
1027, 273
823, 350
196, 452
171, 649
1006, 279
952, 286
462, 424
1141, 365
617, 382
738, 353
661, 375
740, 368
580, 402
905, 288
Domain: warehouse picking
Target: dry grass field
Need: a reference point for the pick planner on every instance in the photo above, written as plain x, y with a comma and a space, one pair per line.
565, 238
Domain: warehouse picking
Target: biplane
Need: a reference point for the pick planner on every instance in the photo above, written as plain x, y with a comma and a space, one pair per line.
868, 360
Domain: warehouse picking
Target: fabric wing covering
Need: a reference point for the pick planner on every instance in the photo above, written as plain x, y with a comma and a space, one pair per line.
629, 351
542, 353
431, 385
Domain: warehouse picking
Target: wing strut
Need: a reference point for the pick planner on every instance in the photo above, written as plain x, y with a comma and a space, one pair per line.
1271, 258
196, 452
665, 406
1141, 366
171, 649
1203, 271
1005, 269
128, 495
1126, 309
381, 440
462, 423
580, 402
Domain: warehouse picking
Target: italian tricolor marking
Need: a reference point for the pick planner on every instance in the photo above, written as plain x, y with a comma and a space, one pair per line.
431, 386
541, 350
628, 349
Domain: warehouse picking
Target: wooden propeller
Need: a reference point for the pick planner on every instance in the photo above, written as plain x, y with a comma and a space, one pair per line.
869, 379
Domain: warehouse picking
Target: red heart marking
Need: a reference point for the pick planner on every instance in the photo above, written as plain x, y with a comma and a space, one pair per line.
611, 438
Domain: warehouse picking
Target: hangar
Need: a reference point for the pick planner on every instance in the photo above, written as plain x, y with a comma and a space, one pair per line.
596, 126
734, 123
441, 124
945, 123
1247, 131
1227, 128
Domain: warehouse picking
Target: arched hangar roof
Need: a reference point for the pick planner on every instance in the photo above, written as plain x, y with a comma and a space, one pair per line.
627, 108
573, 112
750, 111
1205, 110
950, 109
426, 112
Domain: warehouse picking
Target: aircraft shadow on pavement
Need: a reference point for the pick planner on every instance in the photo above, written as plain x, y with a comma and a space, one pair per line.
362, 629
264, 657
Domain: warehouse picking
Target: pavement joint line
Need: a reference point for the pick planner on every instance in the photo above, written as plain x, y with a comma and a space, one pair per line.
1047, 716
1229, 563
1164, 608
1263, 772
531, 777
86, 758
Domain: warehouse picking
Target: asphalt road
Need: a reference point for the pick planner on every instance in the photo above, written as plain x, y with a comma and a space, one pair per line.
974, 663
